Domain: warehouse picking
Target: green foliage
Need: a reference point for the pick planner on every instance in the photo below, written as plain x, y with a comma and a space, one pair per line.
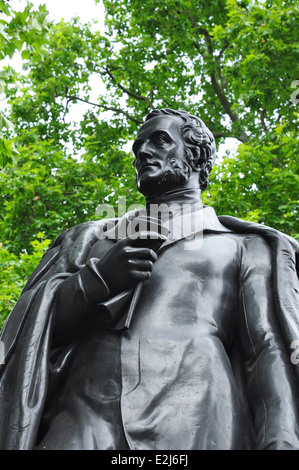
24, 32
8, 152
49, 191
267, 190
232, 62
15, 271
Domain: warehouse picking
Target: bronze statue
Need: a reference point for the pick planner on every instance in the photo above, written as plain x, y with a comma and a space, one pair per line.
157, 341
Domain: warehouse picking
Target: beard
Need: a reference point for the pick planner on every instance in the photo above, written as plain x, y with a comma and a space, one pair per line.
176, 173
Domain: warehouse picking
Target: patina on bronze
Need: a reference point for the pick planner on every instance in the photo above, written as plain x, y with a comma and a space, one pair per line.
174, 339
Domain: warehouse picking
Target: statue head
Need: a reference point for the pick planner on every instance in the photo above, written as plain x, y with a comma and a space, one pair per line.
173, 150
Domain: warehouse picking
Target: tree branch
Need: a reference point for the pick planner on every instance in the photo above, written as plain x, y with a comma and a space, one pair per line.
127, 91
226, 45
106, 108
213, 75
220, 134
262, 116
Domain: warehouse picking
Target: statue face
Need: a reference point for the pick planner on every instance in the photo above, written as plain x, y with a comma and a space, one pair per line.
160, 160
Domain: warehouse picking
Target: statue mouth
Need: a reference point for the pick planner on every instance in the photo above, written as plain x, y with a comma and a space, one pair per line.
148, 165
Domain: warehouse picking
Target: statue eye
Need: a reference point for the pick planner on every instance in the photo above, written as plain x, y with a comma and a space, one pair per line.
160, 140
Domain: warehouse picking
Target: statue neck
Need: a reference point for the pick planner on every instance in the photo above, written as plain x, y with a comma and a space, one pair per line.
178, 196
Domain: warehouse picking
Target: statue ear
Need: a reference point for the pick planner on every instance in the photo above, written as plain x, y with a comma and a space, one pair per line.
197, 158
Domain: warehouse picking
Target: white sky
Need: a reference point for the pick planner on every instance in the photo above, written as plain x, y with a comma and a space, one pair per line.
87, 10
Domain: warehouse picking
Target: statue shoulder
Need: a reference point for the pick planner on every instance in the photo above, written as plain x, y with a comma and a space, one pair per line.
73, 232
74, 244
284, 247
247, 227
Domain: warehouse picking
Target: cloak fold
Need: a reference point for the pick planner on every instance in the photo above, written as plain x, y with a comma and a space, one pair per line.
285, 259
28, 370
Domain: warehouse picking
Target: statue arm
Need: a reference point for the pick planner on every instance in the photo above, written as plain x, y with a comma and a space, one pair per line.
102, 277
271, 382
76, 299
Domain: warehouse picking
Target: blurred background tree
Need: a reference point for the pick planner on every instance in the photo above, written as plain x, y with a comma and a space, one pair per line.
233, 63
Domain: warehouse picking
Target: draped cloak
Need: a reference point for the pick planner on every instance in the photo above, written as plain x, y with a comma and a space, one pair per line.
32, 368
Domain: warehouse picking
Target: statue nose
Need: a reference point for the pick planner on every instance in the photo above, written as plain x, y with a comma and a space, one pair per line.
144, 150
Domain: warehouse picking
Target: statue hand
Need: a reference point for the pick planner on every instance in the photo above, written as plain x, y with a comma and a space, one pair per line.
128, 262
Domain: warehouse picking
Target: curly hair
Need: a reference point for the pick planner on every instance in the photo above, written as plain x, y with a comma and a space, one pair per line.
199, 142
